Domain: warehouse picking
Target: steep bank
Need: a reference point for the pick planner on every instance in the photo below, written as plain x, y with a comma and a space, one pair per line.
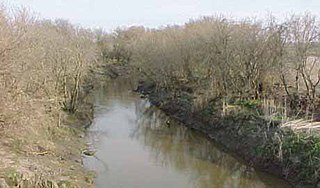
259, 142
48, 153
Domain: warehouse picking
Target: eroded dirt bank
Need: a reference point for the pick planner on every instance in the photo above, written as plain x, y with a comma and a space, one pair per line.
47, 155
249, 137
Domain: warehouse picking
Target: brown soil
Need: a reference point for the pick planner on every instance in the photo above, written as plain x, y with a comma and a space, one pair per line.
47, 156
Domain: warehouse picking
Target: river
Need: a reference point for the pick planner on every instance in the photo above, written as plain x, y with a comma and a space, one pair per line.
138, 146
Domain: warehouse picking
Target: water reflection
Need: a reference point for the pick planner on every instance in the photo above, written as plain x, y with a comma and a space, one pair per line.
191, 153
140, 149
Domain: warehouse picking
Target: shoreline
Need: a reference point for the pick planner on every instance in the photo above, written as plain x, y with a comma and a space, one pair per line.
49, 156
232, 133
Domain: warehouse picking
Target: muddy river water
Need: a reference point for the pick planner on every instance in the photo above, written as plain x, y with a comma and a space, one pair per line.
137, 147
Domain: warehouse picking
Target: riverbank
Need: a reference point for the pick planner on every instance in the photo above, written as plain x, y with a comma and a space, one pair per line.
48, 152
262, 143
46, 75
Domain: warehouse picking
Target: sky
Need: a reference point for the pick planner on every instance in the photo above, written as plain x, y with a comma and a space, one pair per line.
110, 14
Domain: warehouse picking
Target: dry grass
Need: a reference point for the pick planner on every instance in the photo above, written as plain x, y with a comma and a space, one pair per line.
303, 125
43, 66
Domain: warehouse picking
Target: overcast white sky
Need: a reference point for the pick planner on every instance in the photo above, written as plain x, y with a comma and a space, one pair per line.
110, 14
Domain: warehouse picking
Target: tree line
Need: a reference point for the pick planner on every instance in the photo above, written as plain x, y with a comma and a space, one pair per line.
44, 63
275, 63
43, 66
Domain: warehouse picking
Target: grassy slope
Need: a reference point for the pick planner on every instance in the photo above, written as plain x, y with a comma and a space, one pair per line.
44, 153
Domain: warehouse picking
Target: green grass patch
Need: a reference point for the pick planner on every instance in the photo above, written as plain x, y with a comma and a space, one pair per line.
252, 104
299, 154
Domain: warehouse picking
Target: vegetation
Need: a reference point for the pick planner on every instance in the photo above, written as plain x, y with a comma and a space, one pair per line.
299, 153
44, 68
275, 63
